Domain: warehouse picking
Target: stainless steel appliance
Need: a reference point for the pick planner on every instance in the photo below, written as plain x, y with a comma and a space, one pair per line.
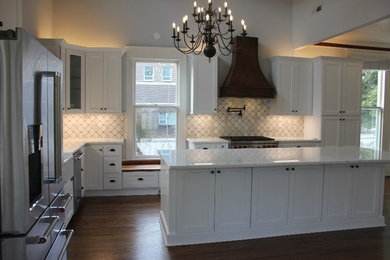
31, 199
239, 142
77, 157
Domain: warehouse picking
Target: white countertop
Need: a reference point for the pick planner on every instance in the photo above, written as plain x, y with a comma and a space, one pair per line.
70, 146
271, 157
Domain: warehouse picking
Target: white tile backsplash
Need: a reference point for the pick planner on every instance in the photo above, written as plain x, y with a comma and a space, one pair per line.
76, 126
255, 120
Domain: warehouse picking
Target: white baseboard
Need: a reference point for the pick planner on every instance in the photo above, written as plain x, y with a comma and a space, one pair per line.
126, 192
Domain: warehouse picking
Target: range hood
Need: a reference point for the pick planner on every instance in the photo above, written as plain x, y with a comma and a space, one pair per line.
245, 78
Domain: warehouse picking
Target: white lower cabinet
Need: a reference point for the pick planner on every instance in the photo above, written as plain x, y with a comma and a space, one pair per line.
286, 195
269, 197
103, 167
213, 200
351, 191
140, 180
340, 131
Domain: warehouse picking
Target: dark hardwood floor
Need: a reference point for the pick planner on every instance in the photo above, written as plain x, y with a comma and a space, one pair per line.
128, 228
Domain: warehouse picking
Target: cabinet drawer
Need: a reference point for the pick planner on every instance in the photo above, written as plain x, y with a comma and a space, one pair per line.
112, 181
112, 164
140, 180
112, 150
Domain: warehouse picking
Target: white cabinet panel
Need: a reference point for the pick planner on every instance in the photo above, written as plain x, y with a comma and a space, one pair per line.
140, 180
203, 84
340, 130
337, 193
93, 167
95, 85
352, 84
112, 181
270, 197
331, 89
195, 201
112, 164
112, 82
232, 198
350, 131
293, 79
366, 190
103, 81
305, 194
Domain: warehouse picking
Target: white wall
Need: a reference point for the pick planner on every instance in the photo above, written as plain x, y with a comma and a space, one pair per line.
337, 17
133, 22
11, 13
38, 17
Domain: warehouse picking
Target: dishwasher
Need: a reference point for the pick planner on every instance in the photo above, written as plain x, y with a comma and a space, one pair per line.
77, 157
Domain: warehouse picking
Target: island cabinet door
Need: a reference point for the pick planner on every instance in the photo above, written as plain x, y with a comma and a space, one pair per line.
233, 199
337, 193
270, 197
195, 201
367, 188
305, 195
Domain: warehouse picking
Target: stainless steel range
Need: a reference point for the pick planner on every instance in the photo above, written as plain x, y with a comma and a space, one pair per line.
239, 142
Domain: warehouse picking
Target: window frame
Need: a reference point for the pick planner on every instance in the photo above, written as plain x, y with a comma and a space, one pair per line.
379, 108
175, 106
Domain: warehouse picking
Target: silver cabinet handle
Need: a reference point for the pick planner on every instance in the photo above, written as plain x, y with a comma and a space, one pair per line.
65, 199
45, 236
68, 234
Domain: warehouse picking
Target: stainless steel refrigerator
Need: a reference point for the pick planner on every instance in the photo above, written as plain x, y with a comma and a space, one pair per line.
31, 198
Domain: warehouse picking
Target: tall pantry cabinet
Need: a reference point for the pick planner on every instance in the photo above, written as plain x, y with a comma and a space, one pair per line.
336, 101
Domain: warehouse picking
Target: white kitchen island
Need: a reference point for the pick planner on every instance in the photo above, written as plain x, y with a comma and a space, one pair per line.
222, 195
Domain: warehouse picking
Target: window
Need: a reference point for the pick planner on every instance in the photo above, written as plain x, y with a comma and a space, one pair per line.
372, 109
167, 118
166, 73
156, 110
148, 73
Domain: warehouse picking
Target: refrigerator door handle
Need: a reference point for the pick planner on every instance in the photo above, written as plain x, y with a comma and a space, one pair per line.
57, 122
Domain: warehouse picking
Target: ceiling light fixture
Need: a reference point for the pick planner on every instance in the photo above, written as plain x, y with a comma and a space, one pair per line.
209, 33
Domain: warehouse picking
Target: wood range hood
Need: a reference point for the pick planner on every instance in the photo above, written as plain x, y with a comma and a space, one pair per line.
245, 78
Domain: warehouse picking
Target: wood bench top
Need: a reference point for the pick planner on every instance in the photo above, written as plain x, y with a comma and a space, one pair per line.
140, 165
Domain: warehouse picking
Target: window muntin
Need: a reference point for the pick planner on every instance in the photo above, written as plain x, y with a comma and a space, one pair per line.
156, 110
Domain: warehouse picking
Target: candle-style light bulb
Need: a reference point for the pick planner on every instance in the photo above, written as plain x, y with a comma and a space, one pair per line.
174, 30
194, 9
195, 4
219, 9
178, 29
174, 25
207, 17
242, 22
231, 18
209, 1
225, 4
244, 27
198, 10
229, 11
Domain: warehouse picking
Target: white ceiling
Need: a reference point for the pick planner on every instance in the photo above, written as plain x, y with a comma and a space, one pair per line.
376, 34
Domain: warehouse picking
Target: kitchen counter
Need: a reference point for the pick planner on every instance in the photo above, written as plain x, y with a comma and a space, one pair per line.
70, 146
233, 194
225, 158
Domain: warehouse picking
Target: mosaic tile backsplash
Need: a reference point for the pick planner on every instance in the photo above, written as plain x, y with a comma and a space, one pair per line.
94, 126
255, 120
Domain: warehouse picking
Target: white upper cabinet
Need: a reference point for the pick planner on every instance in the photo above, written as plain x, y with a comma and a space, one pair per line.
293, 79
203, 82
338, 81
104, 81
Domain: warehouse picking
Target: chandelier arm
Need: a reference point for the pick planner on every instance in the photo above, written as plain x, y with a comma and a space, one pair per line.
223, 49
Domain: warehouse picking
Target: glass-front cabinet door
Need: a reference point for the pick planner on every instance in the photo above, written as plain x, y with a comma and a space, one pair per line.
75, 83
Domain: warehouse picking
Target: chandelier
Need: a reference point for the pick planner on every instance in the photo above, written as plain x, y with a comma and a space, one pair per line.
209, 32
